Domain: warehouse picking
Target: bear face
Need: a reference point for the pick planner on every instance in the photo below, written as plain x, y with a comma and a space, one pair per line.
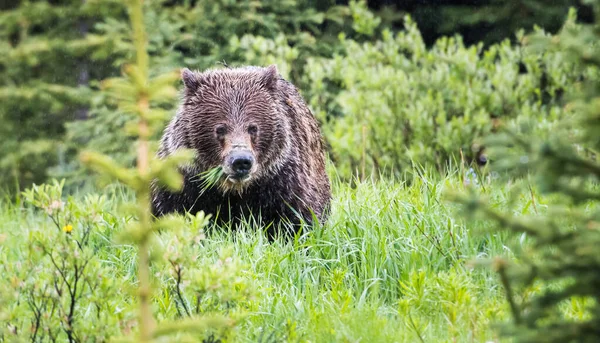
233, 122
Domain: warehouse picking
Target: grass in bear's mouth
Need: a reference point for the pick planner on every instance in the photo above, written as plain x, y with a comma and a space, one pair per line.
210, 178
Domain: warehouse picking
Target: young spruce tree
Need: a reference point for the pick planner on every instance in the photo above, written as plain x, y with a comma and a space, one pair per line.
553, 287
136, 92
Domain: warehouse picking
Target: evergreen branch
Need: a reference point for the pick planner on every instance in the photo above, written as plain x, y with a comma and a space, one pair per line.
500, 266
35, 47
41, 91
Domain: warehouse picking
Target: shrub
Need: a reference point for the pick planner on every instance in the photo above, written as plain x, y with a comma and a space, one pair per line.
70, 277
59, 283
393, 102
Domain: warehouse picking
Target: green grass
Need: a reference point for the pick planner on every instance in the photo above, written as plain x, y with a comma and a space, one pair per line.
390, 265
210, 178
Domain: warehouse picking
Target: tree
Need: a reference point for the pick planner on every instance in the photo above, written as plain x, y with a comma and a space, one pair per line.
49, 53
136, 93
488, 21
561, 259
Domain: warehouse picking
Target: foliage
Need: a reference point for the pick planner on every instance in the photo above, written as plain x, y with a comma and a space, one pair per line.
387, 267
492, 21
59, 277
563, 260
394, 102
48, 54
218, 287
51, 107
68, 281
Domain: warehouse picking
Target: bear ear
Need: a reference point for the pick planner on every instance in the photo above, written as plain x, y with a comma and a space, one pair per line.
190, 79
269, 77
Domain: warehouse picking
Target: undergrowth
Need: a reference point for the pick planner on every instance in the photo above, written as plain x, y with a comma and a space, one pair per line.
392, 264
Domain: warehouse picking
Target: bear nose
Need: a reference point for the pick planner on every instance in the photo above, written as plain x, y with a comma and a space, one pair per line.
241, 163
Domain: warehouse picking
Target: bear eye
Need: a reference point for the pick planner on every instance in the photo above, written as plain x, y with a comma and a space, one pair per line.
220, 130
252, 129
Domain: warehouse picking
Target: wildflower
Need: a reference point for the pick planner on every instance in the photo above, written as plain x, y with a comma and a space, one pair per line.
67, 228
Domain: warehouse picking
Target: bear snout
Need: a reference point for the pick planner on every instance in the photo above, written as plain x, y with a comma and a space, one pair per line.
240, 163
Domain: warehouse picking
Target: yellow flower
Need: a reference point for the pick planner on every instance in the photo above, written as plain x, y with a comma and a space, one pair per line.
67, 228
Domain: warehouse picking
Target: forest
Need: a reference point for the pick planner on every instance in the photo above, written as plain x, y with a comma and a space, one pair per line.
462, 142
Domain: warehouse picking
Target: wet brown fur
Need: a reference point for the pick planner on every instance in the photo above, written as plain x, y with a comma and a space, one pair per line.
264, 113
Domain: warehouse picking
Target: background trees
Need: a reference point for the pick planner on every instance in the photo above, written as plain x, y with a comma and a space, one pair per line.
54, 53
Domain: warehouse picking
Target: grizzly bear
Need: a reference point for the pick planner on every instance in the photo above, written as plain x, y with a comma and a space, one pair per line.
255, 126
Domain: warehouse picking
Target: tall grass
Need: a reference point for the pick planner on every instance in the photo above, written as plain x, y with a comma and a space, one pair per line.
390, 265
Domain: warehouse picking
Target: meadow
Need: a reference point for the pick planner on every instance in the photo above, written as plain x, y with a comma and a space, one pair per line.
392, 264
500, 246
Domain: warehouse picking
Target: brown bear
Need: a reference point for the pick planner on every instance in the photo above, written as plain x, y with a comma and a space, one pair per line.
255, 126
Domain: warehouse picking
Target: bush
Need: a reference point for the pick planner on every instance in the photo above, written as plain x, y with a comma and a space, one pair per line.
60, 283
68, 281
391, 103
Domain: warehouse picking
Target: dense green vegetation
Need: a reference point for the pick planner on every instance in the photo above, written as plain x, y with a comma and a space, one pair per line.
395, 102
563, 259
388, 266
406, 118
392, 265
489, 21
54, 55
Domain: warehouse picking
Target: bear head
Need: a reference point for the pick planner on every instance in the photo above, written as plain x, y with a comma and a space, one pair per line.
236, 120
